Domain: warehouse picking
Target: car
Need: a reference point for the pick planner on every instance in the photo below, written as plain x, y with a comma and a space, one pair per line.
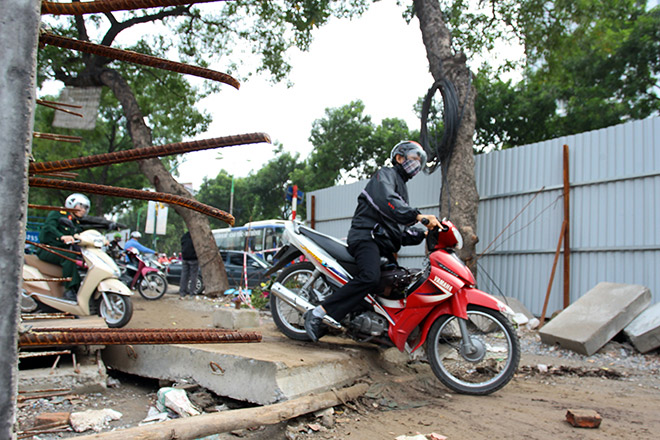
256, 269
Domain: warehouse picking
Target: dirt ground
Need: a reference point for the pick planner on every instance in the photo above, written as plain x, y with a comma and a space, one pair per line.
618, 383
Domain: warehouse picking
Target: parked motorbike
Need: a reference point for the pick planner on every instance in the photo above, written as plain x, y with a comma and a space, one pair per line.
101, 292
470, 342
138, 273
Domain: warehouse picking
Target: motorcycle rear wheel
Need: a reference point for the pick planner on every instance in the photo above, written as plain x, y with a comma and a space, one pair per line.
484, 372
121, 312
287, 319
153, 286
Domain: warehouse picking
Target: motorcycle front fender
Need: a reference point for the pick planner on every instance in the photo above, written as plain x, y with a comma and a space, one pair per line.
113, 285
457, 306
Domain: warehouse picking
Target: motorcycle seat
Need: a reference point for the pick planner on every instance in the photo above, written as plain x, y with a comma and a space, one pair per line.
48, 269
337, 249
331, 245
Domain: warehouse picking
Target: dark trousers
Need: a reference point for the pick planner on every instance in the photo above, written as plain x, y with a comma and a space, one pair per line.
349, 297
69, 268
189, 269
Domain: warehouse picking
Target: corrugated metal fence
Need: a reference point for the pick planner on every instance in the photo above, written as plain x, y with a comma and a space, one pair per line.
614, 176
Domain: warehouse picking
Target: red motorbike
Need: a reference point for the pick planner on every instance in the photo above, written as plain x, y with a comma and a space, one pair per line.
138, 273
471, 344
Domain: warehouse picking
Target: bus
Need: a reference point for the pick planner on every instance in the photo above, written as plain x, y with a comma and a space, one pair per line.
263, 238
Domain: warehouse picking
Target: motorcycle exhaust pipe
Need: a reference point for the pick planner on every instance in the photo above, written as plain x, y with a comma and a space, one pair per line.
299, 303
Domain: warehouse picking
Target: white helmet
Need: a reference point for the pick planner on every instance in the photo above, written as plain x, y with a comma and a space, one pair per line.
136, 234
77, 199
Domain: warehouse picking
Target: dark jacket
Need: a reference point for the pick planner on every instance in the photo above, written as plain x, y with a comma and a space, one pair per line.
383, 213
187, 248
57, 224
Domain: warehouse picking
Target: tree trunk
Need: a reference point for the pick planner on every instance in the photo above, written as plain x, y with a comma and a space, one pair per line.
210, 262
459, 196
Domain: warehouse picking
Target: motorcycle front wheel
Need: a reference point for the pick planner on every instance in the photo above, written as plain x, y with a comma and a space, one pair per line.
153, 286
119, 312
295, 277
483, 371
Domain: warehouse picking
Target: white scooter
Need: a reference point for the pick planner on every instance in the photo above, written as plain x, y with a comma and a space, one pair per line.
100, 292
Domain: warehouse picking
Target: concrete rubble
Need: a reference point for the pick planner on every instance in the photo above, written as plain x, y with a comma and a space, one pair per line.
644, 331
591, 321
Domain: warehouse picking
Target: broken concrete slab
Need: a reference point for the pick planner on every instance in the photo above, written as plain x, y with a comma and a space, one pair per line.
235, 319
644, 331
273, 370
591, 321
86, 377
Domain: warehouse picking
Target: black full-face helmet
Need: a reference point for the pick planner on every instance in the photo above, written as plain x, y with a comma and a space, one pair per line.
409, 150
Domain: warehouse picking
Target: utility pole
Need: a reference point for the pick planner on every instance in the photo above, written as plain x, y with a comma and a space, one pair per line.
19, 34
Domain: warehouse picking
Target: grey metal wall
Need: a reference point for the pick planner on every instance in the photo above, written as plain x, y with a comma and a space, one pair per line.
614, 176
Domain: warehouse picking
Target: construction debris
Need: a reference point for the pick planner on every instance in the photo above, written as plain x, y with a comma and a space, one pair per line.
583, 418
45, 337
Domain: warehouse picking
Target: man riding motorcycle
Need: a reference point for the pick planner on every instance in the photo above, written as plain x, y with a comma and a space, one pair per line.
380, 226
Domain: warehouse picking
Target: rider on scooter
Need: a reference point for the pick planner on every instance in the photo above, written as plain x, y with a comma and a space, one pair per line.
59, 229
380, 226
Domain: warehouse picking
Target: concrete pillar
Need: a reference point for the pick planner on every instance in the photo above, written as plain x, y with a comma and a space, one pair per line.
19, 26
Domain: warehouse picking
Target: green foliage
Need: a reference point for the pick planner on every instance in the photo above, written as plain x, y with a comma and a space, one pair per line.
259, 196
348, 145
589, 64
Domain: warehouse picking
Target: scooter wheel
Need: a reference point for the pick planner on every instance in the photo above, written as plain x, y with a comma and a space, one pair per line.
120, 311
153, 286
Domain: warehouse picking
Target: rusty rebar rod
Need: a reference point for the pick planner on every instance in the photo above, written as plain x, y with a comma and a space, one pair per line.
50, 208
57, 137
35, 316
147, 152
121, 330
48, 247
136, 58
164, 336
56, 106
98, 6
52, 251
127, 193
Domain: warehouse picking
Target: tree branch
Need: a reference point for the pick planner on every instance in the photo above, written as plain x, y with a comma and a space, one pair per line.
117, 27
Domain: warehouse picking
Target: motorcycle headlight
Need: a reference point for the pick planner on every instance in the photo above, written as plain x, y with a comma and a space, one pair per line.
98, 242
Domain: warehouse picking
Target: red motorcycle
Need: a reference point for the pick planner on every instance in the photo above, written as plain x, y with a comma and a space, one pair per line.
471, 344
138, 273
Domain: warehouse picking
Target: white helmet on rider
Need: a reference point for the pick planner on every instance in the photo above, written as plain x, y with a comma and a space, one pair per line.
414, 157
136, 234
76, 199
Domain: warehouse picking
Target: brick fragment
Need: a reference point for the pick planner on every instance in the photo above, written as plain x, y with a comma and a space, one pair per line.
581, 418
51, 419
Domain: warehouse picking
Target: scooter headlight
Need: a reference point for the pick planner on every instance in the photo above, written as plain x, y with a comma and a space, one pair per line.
98, 242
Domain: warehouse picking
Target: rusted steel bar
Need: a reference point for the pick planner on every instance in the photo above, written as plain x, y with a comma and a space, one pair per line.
147, 152
52, 248
172, 199
56, 106
31, 354
57, 137
122, 330
136, 58
164, 336
50, 208
98, 6
54, 280
35, 316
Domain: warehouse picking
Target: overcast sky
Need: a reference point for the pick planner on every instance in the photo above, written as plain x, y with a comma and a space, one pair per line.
377, 58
